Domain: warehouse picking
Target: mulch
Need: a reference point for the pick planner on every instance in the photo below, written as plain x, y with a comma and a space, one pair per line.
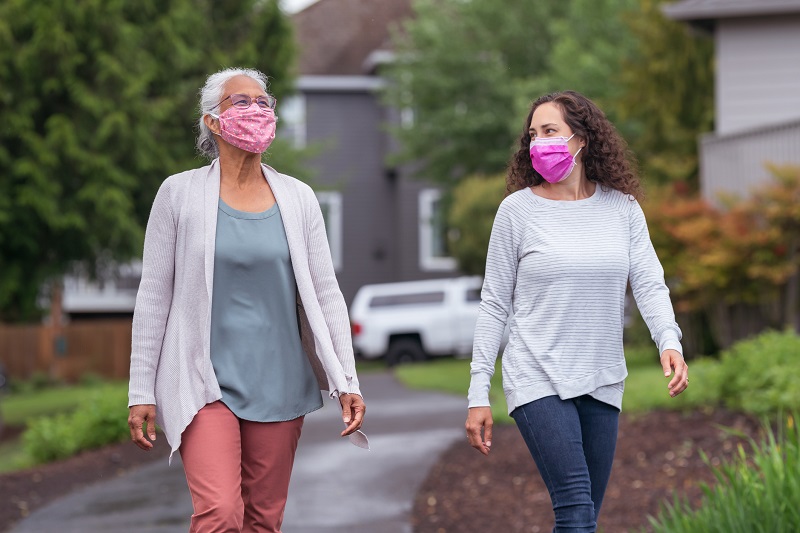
25, 491
658, 454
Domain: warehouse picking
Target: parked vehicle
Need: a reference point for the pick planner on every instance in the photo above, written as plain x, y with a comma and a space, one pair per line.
413, 320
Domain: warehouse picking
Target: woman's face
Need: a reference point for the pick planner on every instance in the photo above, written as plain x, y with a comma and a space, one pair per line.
548, 121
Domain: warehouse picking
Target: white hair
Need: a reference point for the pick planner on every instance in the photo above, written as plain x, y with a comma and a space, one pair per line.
210, 96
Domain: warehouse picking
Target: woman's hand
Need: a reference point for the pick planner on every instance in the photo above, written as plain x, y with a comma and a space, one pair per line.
673, 360
139, 415
353, 410
480, 418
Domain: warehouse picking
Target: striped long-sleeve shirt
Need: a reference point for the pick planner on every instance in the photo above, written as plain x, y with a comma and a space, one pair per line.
557, 273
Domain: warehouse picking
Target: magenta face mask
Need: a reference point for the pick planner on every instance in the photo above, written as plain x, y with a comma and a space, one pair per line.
550, 157
251, 129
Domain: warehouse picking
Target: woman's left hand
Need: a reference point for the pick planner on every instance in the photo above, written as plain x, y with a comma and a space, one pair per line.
353, 410
673, 360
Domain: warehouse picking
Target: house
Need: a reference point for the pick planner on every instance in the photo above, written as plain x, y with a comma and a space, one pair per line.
383, 223
757, 89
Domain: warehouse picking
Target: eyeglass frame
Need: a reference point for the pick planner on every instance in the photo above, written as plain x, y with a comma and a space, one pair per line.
272, 102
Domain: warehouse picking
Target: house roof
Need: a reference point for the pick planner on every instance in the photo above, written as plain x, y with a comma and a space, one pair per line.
341, 37
706, 11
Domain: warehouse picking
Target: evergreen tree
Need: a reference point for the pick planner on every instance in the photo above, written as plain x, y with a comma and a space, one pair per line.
98, 100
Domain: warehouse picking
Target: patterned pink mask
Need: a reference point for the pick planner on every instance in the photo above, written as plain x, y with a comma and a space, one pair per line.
550, 157
251, 129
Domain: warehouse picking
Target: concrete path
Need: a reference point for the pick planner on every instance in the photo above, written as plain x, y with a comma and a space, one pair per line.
335, 488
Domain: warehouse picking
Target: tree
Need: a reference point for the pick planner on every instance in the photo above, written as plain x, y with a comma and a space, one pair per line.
98, 100
463, 67
474, 205
668, 97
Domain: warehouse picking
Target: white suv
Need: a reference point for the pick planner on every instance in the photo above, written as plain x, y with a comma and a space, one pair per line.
410, 321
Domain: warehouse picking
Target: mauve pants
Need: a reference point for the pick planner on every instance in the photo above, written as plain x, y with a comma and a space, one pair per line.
238, 471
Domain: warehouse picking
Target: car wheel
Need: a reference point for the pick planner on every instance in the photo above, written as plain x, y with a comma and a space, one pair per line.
403, 351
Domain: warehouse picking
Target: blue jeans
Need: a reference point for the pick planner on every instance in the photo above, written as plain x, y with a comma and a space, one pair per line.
572, 442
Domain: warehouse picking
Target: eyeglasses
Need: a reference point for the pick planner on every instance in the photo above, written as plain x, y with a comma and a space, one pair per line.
243, 101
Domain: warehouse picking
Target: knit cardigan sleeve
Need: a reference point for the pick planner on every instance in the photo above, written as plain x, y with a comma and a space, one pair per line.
330, 297
153, 300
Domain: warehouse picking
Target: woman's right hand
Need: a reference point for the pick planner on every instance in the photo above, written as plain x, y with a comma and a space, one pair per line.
139, 415
480, 418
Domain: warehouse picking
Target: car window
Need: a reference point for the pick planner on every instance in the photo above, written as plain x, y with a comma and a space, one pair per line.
473, 295
390, 300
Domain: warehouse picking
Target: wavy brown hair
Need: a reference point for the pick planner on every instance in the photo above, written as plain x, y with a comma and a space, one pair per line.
606, 157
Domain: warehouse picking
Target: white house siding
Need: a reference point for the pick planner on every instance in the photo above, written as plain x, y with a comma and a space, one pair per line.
736, 163
758, 72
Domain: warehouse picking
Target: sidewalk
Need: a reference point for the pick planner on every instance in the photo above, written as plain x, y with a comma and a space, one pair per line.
335, 488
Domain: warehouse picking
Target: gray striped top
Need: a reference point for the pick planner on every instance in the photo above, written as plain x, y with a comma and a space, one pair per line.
557, 272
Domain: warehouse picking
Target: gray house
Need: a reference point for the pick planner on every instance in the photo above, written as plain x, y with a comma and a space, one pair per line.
383, 224
757, 92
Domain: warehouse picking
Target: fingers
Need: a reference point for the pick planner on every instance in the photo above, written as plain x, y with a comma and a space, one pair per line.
353, 411
151, 426
680, 381
480, 418
139, 414
665, 364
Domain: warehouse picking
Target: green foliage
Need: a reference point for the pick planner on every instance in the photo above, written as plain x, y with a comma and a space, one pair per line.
463, 77
754, 493
760, 375
98, 100
99, 420
667, 97
475, 202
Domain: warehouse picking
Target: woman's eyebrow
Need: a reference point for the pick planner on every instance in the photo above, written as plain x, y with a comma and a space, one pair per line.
542, 127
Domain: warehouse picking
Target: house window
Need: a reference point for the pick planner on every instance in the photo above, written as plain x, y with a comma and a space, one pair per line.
292, 119
433, 248
331, 205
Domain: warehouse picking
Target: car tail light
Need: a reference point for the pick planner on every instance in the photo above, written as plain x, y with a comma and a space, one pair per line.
355, 329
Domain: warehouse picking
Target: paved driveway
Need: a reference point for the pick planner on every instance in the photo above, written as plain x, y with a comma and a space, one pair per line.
336, 487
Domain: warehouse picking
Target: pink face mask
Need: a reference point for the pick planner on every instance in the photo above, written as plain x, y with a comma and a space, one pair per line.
251, 129
550, 157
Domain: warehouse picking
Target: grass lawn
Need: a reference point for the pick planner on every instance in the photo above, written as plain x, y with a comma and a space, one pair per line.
17, 409
645, 387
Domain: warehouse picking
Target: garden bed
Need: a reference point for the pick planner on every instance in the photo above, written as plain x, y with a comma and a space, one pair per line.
657, 454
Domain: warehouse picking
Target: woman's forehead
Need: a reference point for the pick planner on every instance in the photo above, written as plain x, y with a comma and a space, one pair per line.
547, 113
243, 85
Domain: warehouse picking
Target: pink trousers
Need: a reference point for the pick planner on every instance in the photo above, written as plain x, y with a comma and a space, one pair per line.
238, 471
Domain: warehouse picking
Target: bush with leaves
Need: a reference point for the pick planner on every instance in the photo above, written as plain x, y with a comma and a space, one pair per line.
100, 420
474, 204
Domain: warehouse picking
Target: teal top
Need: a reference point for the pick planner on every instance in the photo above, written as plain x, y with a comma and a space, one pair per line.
263, 372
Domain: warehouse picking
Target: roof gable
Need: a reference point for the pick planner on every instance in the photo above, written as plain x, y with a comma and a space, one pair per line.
339, 37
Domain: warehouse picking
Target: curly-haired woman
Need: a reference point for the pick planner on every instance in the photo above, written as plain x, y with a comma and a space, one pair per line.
565, 243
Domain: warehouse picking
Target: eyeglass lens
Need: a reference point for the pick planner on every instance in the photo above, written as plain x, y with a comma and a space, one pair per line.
242, 100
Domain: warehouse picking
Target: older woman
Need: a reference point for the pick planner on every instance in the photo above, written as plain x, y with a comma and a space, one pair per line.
565, 243
239, 320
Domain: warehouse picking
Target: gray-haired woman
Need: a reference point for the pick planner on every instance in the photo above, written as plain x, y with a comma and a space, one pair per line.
239, 321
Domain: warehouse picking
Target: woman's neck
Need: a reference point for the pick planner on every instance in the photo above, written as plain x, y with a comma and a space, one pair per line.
238, 168
576, 187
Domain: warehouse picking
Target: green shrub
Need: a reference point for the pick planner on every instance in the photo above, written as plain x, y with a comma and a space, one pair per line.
761, 375
99, 420
756, 493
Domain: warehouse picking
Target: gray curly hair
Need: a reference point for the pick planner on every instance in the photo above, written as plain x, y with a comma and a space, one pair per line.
210, 95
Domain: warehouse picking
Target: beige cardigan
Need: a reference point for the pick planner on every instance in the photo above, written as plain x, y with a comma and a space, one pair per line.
170, 352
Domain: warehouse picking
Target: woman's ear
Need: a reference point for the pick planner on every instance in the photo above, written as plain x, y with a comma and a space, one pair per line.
211, 123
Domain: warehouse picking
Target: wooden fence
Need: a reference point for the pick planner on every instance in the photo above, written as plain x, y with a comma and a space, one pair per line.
100, 347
